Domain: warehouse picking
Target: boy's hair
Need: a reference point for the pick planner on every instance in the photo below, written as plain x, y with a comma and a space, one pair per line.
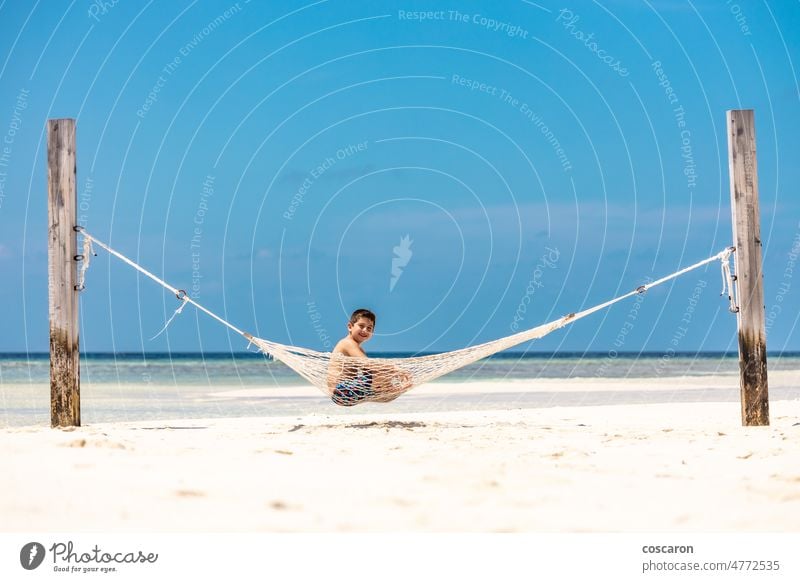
365, 313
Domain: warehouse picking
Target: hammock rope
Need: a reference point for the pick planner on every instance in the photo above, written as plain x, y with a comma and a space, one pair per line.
353, 380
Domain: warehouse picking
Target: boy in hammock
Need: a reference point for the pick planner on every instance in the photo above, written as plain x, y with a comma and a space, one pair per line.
353, 380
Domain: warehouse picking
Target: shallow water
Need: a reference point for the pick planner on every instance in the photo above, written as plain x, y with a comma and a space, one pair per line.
131, 387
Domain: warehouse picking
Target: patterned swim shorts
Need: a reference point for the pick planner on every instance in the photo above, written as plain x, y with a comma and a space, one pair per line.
354, 390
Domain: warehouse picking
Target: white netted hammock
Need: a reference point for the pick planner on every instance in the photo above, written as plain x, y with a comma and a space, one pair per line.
350, 380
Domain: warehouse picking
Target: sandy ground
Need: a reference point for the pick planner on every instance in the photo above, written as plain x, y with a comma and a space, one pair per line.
633, 467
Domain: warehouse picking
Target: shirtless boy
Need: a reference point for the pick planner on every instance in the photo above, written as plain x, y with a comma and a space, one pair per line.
353, 380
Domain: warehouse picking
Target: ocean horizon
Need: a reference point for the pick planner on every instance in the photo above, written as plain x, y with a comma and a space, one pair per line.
254, 368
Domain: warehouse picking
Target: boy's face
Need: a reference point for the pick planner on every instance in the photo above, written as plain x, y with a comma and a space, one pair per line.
361, 330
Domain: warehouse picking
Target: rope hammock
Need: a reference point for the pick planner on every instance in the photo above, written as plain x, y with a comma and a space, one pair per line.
349, 380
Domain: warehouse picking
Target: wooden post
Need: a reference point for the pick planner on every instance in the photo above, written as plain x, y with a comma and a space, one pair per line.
62, 250
749, 274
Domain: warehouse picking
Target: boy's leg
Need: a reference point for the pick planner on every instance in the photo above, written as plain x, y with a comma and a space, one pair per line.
389, 384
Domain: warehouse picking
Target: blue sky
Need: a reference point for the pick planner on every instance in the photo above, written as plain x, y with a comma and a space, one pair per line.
270, 156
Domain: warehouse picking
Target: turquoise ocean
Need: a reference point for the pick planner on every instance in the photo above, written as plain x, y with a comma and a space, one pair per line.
160, 386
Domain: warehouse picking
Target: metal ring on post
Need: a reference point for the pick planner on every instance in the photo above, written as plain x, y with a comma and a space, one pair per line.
78, 228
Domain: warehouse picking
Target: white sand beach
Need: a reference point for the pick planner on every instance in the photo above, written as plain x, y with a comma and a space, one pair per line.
675, 466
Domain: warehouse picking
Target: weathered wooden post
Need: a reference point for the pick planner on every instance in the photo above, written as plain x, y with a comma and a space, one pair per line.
62, 250
749, 274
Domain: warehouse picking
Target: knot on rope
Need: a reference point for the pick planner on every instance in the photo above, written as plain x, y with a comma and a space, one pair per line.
184, 299
249, 338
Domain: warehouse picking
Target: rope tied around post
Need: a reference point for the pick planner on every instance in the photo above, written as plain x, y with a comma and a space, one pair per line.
85, 259
728, 279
